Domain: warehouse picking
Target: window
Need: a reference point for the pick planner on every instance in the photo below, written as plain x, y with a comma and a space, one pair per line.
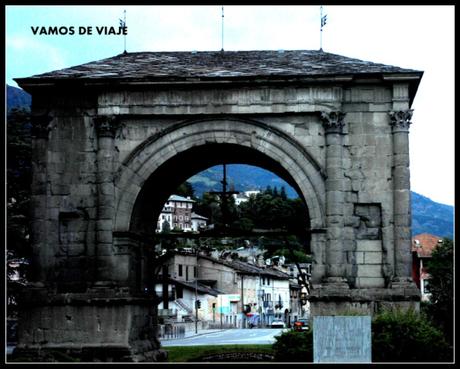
268, 281
194, 272
425, 286
180, 270
179, 292
181, 217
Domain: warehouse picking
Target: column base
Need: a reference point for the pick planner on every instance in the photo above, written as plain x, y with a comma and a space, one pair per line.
107, 325
112, 354
330, 299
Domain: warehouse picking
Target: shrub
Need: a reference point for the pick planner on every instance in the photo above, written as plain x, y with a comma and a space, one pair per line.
397, 336
294, 346
407, 337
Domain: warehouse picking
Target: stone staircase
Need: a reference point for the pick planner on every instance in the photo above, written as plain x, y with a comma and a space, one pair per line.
188, 309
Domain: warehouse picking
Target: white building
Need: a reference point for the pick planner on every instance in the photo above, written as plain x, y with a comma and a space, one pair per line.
244, 196
199, 222
177, 211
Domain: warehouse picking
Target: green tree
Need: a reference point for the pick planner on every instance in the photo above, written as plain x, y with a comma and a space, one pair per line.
185, 189
440, 285
166, 227
19, 169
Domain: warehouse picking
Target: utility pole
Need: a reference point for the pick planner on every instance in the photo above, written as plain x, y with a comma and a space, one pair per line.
196, 293
224, 195
165, 287
243, 321
221, 310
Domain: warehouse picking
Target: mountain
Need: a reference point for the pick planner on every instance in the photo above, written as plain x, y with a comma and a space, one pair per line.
427, 216
240, 177
17, 98
431, 217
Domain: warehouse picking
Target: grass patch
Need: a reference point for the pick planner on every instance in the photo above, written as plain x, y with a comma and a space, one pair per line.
182, 354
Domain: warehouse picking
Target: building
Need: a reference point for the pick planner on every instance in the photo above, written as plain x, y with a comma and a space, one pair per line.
263, 291
230, 291
177, 211
300, 305
244, 196
422, 248
199, 222
180, 276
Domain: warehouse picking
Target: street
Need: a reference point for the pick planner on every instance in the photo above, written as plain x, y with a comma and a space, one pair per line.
228, 337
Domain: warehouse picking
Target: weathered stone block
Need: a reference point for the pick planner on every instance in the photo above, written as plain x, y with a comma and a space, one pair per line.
370, 282
373, 257
369, 245
366, 270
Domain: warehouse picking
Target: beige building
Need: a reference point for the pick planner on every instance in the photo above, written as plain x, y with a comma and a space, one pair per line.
230, 291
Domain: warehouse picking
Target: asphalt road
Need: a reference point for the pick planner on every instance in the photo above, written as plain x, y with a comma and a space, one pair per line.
229, 337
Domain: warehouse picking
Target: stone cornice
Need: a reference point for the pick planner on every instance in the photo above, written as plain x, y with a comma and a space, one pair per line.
401, 120
333, 121
106, 125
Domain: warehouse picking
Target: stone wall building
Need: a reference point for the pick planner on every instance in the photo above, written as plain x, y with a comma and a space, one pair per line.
177, 211
113, 137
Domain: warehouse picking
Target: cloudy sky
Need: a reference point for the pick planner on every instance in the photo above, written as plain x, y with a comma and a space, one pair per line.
416, 37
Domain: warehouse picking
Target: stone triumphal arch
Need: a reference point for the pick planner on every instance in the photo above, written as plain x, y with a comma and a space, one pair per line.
113, 137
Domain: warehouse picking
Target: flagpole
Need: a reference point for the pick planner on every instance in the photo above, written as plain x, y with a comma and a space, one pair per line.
321, 29
222, 28
124, 34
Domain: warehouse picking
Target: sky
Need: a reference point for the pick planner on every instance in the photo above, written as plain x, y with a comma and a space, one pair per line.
413, 36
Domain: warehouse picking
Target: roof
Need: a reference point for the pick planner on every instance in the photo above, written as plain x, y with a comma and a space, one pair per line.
424, 244
179, 198
201, 288
182, 65
197, 216
249, 269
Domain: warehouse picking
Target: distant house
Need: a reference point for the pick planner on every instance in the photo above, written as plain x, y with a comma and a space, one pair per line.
177, 212
199, 222
422, 248
244, 196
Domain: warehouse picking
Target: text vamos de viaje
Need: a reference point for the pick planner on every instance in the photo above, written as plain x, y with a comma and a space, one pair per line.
81, 30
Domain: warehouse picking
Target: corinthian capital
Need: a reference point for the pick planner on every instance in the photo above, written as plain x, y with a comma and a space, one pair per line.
106, 126
333, 121
41, 125
400, 120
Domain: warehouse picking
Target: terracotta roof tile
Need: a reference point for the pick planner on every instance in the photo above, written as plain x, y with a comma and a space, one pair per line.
424, 244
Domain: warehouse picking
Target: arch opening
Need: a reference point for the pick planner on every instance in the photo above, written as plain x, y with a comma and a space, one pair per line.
160, 184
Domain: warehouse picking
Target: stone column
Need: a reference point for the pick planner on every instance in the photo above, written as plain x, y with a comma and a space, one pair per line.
333, 125
106, 127
40, 134
400, 121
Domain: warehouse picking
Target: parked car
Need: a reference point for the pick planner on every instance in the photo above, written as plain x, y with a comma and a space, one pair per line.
277, 323
301, 325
